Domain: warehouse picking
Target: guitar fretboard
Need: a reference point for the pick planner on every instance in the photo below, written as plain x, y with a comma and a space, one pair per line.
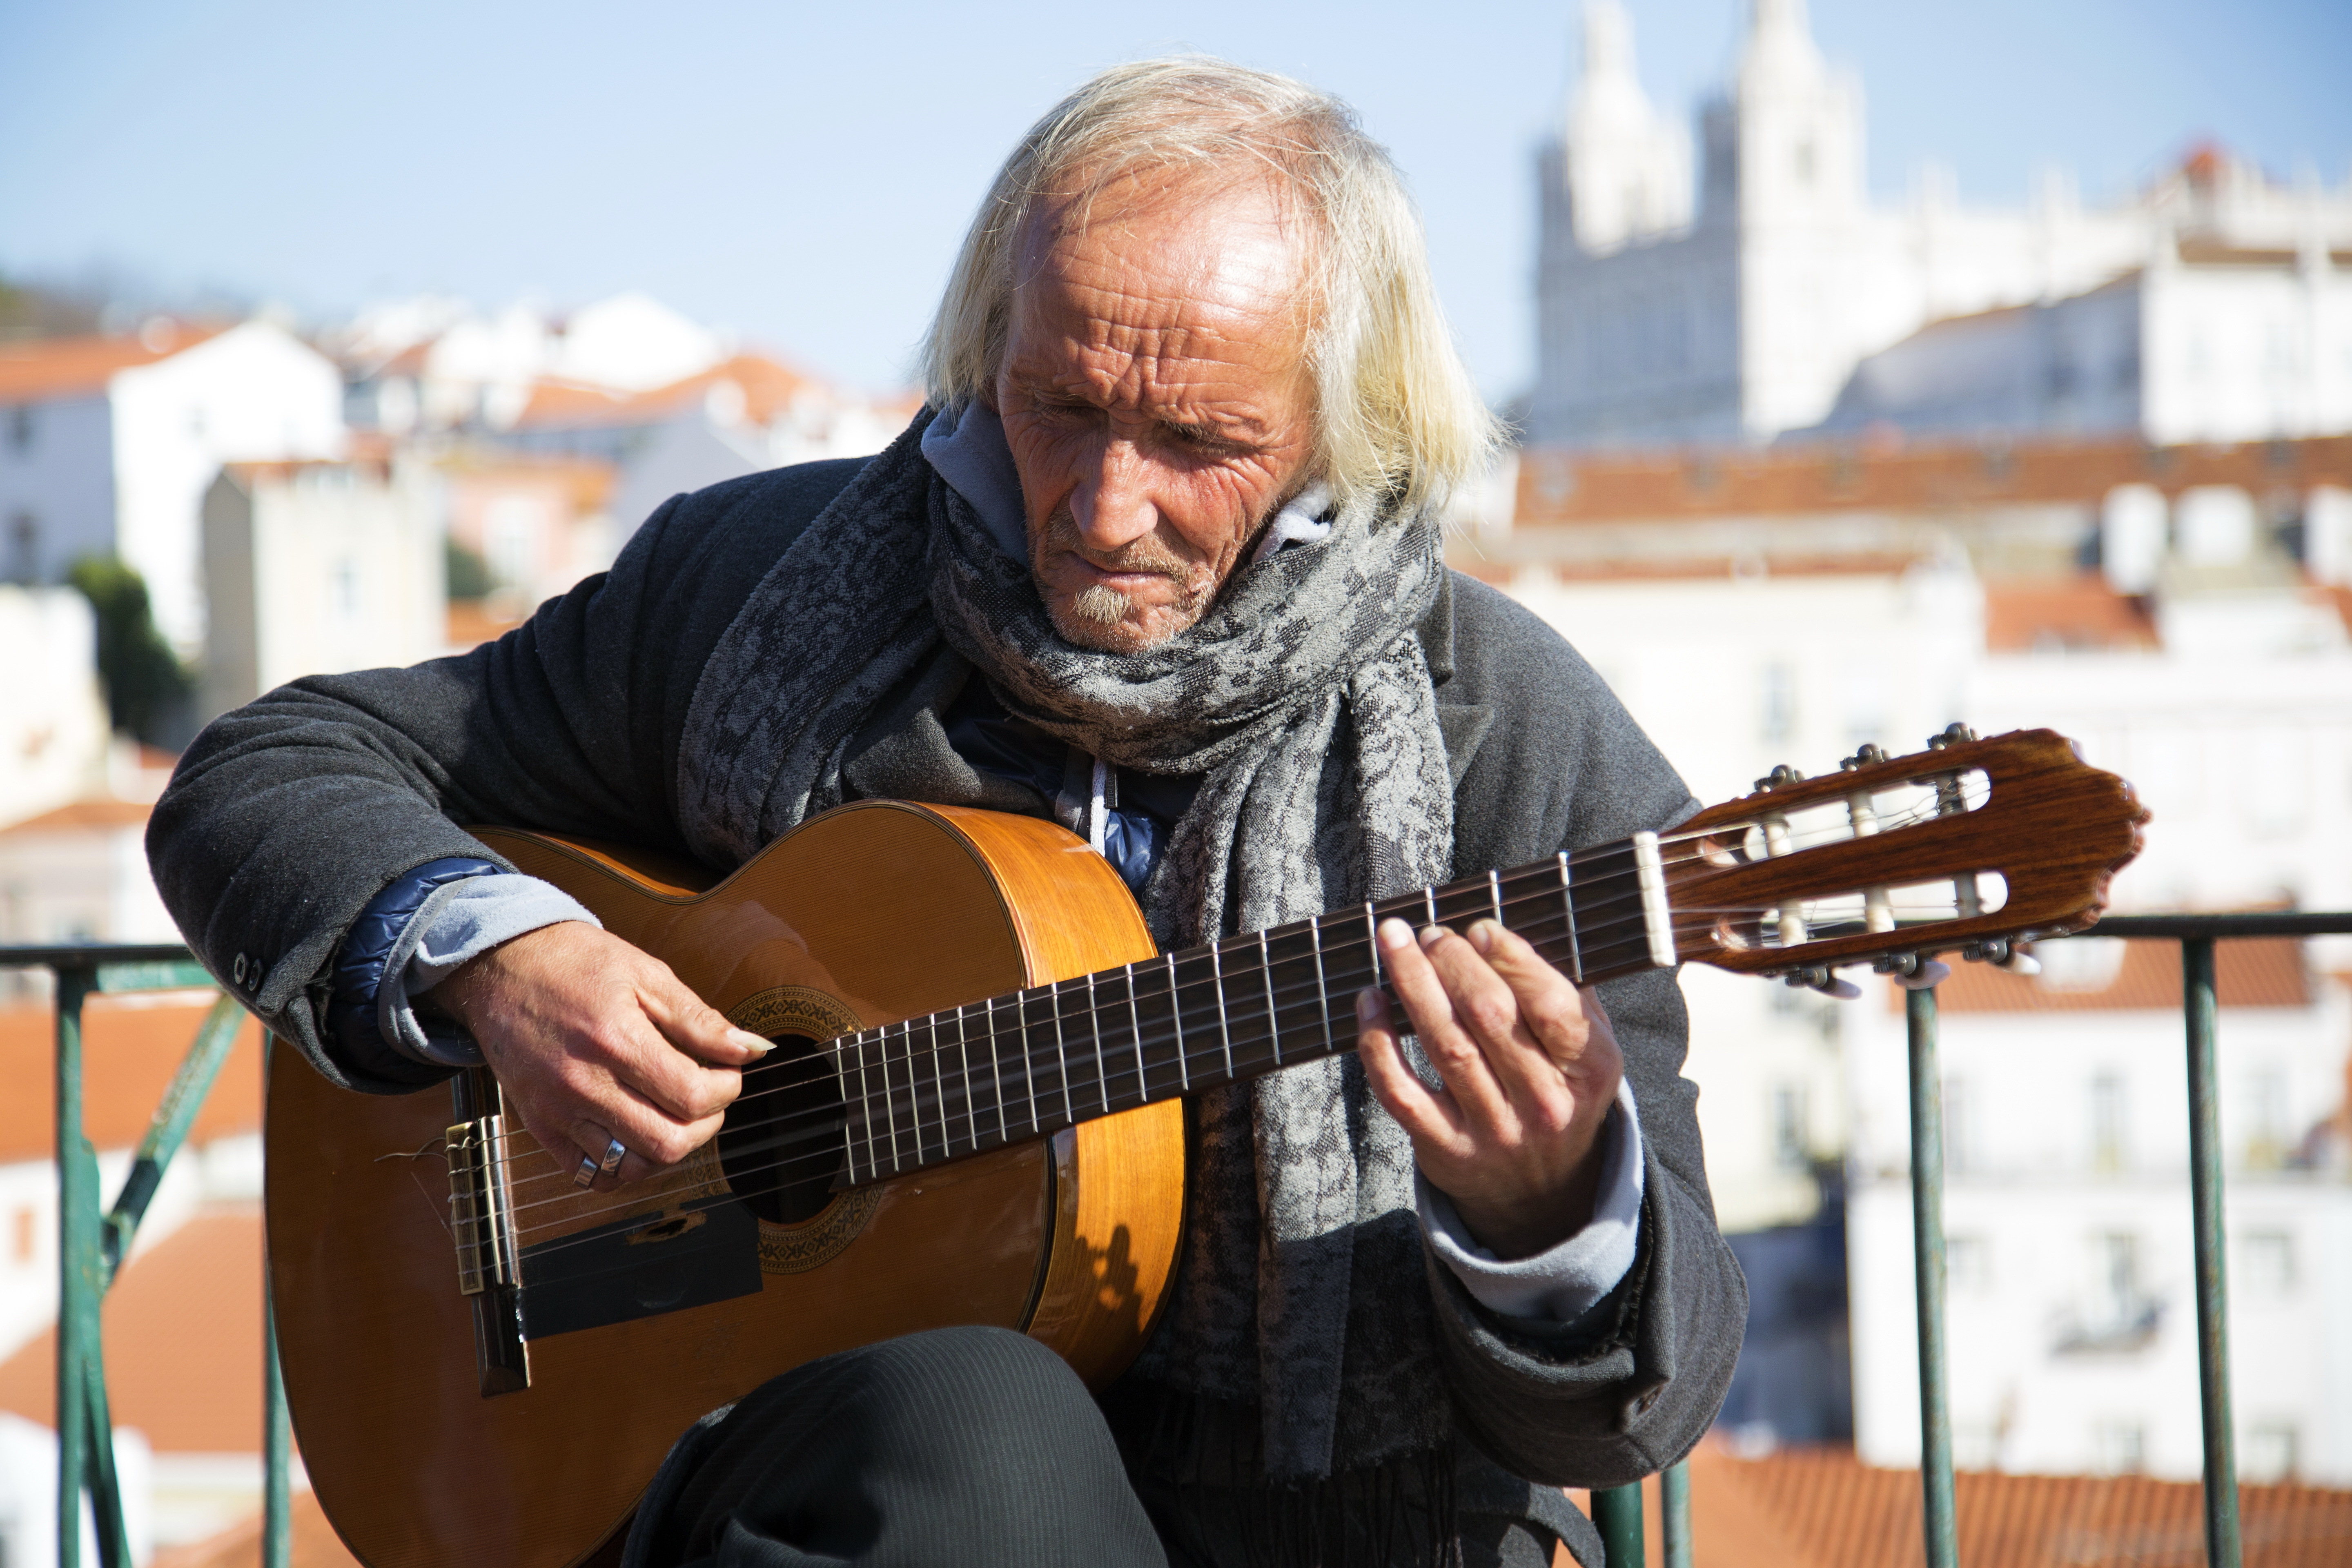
1030, 1063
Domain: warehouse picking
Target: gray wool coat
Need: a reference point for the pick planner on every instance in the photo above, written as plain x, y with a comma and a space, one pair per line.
287, 816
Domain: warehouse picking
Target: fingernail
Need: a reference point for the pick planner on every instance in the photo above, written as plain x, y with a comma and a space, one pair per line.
1431, 935
751, 1042
1482, 936
1367, 1006
1395, 935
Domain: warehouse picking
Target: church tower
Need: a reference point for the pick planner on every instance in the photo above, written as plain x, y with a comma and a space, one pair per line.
1628, 167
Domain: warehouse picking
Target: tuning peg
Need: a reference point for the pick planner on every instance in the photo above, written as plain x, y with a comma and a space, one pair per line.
1954, 733
2003, 954
1864, 758
1782, 774
1914, 971
1824, 980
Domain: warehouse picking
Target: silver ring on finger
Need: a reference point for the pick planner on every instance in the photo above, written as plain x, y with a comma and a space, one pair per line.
613, 1155
586, 1173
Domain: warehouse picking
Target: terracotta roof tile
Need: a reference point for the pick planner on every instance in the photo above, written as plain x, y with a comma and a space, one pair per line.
99, 811
182, 1327
1822, 1508
1568, 489
2256, 972
70, 367
768, 387
129, 1053
2023, 615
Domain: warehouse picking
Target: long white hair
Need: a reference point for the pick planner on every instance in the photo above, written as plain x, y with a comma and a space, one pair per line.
1396, 414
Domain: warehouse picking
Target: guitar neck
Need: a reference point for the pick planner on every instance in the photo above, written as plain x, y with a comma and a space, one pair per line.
1027, 1064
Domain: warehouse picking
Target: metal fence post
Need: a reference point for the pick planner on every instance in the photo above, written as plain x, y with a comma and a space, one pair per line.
1927, 1258
1617, 1510
2197, 1008
1675, 1513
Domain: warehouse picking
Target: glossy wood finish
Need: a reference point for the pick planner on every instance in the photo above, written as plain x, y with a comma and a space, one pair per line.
869, 914
2055, 828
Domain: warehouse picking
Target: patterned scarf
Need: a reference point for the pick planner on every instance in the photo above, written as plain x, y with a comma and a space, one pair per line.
1303, 700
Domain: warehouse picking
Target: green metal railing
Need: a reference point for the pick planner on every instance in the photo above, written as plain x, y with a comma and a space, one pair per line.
94, 1245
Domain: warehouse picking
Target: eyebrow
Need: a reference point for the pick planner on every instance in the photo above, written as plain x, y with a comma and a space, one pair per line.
1252, 434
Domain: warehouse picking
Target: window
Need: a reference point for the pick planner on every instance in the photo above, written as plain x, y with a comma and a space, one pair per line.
2116, 1304
1791, 1148
2265, 1264
1778, 704
2110, 1151
2119, 1447
24, 549
2269, 1452
2266, 1120
1968, 1263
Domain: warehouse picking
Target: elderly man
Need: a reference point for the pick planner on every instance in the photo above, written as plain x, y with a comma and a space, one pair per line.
1160, 557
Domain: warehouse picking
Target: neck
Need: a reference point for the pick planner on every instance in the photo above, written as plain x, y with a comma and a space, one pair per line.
1030, 1063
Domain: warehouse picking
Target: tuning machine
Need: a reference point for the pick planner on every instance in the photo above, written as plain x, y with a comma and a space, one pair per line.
1914, 971
1820, 978
2003, 954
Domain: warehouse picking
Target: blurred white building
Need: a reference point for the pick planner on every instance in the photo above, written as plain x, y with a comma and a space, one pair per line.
52, 725
1738, 312
106, 444
316, 568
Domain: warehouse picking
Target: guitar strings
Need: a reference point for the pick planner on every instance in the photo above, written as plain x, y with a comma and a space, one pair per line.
1028, 1061
835, 1119
1188, 991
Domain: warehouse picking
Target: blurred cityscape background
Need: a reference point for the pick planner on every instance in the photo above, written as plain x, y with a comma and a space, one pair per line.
1814, 451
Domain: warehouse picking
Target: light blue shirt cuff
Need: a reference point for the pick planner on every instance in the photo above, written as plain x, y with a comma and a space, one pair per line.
463, 920
1566, 1281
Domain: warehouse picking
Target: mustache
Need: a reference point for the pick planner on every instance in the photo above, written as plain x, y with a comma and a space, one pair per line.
1145, 555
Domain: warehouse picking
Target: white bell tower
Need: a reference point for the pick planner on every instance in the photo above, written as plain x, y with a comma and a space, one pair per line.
1628, 167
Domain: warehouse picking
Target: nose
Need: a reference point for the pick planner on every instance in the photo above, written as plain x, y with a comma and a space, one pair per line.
1112, 504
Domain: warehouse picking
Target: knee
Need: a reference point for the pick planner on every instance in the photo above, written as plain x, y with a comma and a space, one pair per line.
979, 1387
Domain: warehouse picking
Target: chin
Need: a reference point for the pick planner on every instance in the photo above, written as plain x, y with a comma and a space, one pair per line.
1132, 633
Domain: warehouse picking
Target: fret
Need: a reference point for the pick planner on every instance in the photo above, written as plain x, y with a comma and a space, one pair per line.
850, 1120
1372, 940
863, 1115
1567, 909
1217, 984
890, 1103
1495, 887
971, 1106
1322, 991
1176, 1016
1273, 1028
1102, 1069
1428, 896
996, 1076
1028, 1062
1061, 1055
940, 1086
1135, 1022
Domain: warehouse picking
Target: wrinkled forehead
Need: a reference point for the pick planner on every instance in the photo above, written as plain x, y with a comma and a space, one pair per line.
1168, 245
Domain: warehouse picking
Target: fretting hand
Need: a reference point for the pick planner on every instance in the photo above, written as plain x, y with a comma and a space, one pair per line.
594, 1039
1529, 1067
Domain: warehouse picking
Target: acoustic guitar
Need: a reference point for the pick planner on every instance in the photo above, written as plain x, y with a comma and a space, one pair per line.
975, 1111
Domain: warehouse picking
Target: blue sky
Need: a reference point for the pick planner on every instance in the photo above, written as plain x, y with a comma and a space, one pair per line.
801, 173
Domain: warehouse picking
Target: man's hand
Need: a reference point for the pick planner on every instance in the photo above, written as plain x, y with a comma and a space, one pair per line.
594, 1039
1530, 1069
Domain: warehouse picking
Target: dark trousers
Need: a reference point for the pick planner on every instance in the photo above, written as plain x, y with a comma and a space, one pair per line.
970, 1447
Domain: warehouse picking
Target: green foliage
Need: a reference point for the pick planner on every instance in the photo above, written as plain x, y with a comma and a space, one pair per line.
38, 311
146, 686
469, 574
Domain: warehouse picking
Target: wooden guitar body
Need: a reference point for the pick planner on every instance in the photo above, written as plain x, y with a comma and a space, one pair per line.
873, 913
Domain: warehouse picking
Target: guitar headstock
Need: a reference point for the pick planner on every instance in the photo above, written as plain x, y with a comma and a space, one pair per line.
1970, 846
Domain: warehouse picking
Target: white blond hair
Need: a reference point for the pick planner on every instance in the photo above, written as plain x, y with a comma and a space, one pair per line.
1396, 414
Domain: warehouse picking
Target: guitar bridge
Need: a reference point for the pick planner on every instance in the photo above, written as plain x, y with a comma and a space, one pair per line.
482, 1224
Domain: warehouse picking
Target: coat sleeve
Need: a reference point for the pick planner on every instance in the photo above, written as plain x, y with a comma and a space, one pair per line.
1632, 1386
286, 817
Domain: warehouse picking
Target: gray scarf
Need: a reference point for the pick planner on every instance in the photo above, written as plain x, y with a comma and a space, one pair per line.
1303, 700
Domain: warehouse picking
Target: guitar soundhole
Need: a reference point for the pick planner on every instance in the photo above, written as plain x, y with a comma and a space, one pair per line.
781, 1144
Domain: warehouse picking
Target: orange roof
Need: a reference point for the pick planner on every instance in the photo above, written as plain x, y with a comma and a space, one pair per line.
1822, 1508
182, 1327
129, 1054
2254, 973
588, 481
71, 367
768, 388
1569, 488
98, 812
2024, 614
315, 1543
471, 623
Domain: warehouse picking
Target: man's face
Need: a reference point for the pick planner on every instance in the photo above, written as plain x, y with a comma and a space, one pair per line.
1155, 397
